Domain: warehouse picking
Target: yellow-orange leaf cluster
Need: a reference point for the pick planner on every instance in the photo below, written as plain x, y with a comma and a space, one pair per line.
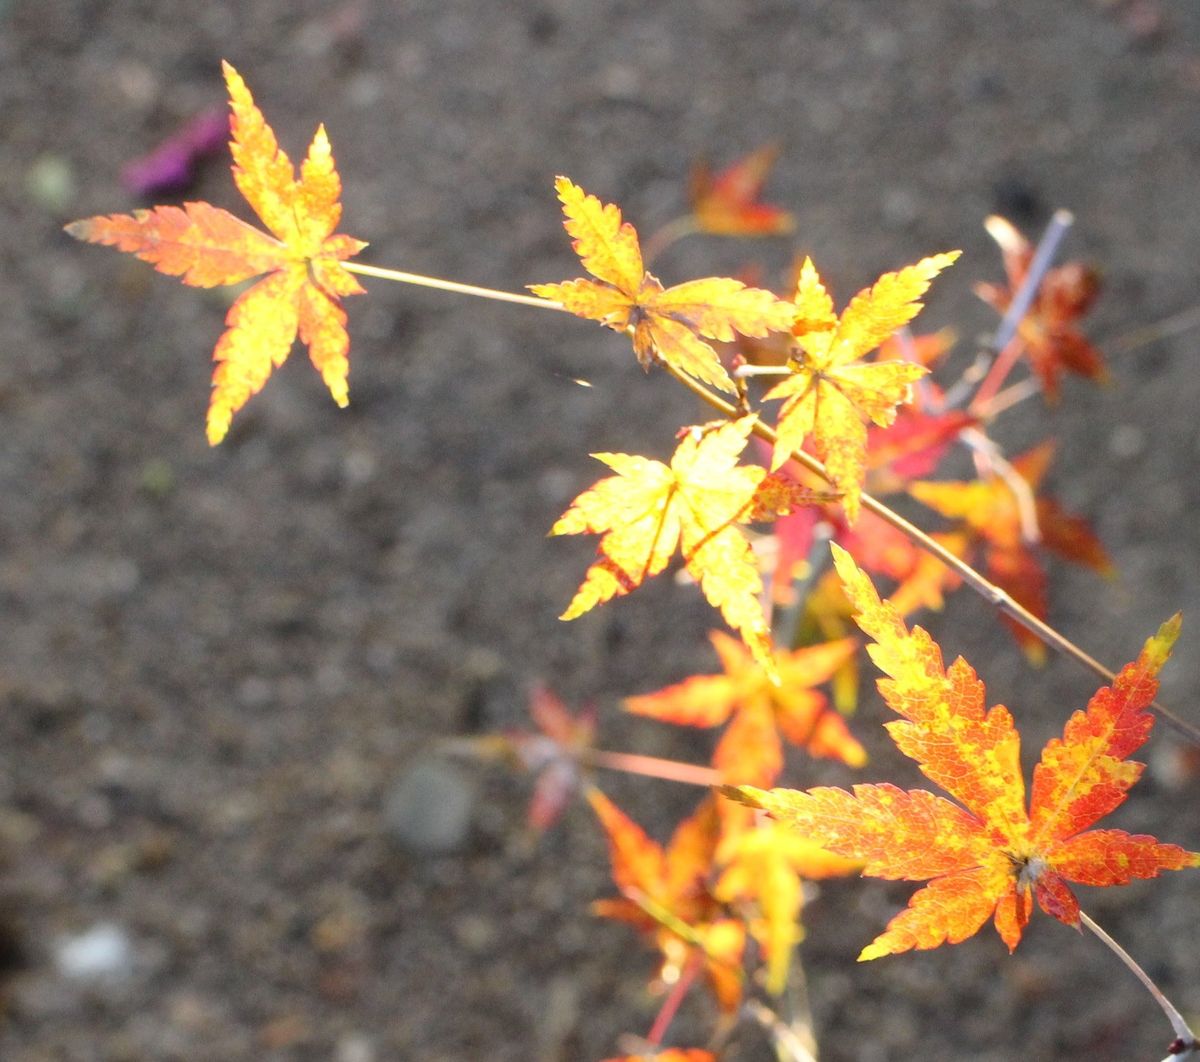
832, 392
206, 246
986, 855
667, 324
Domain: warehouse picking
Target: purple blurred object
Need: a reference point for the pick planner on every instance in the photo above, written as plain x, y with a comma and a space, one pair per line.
171, 167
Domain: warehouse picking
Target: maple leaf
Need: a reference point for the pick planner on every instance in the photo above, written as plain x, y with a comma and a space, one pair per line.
750, 749
666, 894
991, 519
766, 865
986, 855
206, 246
832, 392
913, 445
729, 203
696, 503
1053, 342
667, 324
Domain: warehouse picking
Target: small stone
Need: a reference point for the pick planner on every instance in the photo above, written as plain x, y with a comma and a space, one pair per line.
102, 953
476, 933
429, 809
50, 183
354, 1047
1126, 441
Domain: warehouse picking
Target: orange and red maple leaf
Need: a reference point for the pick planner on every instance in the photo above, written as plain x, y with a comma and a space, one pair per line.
667, 324
1049, 332
986, 855
729, 203
696, 503
206, 246
666, 892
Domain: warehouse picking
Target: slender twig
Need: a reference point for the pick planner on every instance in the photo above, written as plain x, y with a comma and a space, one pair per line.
1047, 248
1009, 397
651, 766
988, 454
997, 372
999, 599
817, 561
671, 1004
743, 372
1185, 1039
788, 1043
1174, 325
423, 281
662, 238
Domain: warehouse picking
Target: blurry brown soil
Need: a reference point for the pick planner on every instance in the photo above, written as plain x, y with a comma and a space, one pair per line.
216, 666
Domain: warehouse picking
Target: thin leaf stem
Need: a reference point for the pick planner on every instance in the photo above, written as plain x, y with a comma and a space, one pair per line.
788, 1043
994, 363
1174, 325
1185, 1039
1009, 397
999, 599
662, 238
423, 281
652, 766
671, 1004
1047, 248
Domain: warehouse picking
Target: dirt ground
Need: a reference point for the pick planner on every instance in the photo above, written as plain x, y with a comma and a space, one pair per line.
220, 668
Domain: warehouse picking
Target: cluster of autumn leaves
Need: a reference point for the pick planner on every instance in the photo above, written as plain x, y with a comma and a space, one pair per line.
855, 395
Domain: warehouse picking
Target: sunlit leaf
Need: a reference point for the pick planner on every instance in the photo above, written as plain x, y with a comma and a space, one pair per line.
205, 246
984, 855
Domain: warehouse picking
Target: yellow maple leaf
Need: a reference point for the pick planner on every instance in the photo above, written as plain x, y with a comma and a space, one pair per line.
206, 246
831, 392
666, 323
696, 503
767, 864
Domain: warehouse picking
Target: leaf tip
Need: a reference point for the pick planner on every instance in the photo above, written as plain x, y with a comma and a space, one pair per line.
742, 794
233, 80
1158, 648
216, 431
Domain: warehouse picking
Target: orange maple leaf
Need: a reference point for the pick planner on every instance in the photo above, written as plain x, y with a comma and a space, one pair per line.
206, 246
1053, 342
1009, 525
832, 392
696, 503
667, 894
729, 203
750, 749
986, 856
666, 324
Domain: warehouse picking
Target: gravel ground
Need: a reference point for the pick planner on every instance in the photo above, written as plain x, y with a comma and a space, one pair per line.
221, 669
